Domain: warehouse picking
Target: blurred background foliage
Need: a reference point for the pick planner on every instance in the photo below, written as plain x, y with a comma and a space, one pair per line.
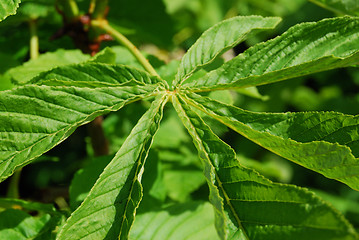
164, 30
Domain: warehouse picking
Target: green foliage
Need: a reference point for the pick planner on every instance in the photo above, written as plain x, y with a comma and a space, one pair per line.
151, 185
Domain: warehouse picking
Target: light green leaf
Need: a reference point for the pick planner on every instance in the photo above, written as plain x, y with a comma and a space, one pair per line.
252, 92
350, 7
254, 207
24, 73
191, 221
304, 49
180, 182
218, 39
106, 55
109, 209
326, 142
8, 7
36, 118
274, 168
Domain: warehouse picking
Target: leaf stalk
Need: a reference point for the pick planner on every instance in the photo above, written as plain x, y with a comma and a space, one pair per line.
69, 8
103, 24
13, 188
34, 40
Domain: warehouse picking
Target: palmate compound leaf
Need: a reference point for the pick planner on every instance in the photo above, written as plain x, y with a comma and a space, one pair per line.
8, 7
249, 206
35, 118
304, 49
218, 39
109, 210
326, 142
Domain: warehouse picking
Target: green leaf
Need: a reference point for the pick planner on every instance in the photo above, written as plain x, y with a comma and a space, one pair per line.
37, 118
33, 10
8, 7
218, 39
326, 142
85, 178
252, 92
24, 73
118, 191
304, 49
254, 207
18, 225
273, 168
176, 222
97, 74
154, 191
180, 181
107, 55
34, 206
350, 7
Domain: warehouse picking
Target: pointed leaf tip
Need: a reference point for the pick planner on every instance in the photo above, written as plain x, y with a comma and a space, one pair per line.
219, 38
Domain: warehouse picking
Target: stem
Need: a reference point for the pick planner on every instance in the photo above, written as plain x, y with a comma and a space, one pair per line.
99, 8
103, 24
92, 6
14, 182
34, 40
69, 8
98, 140
13, 188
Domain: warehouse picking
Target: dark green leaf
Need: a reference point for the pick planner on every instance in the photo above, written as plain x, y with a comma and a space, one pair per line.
87, 74
150, 22
350, 7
